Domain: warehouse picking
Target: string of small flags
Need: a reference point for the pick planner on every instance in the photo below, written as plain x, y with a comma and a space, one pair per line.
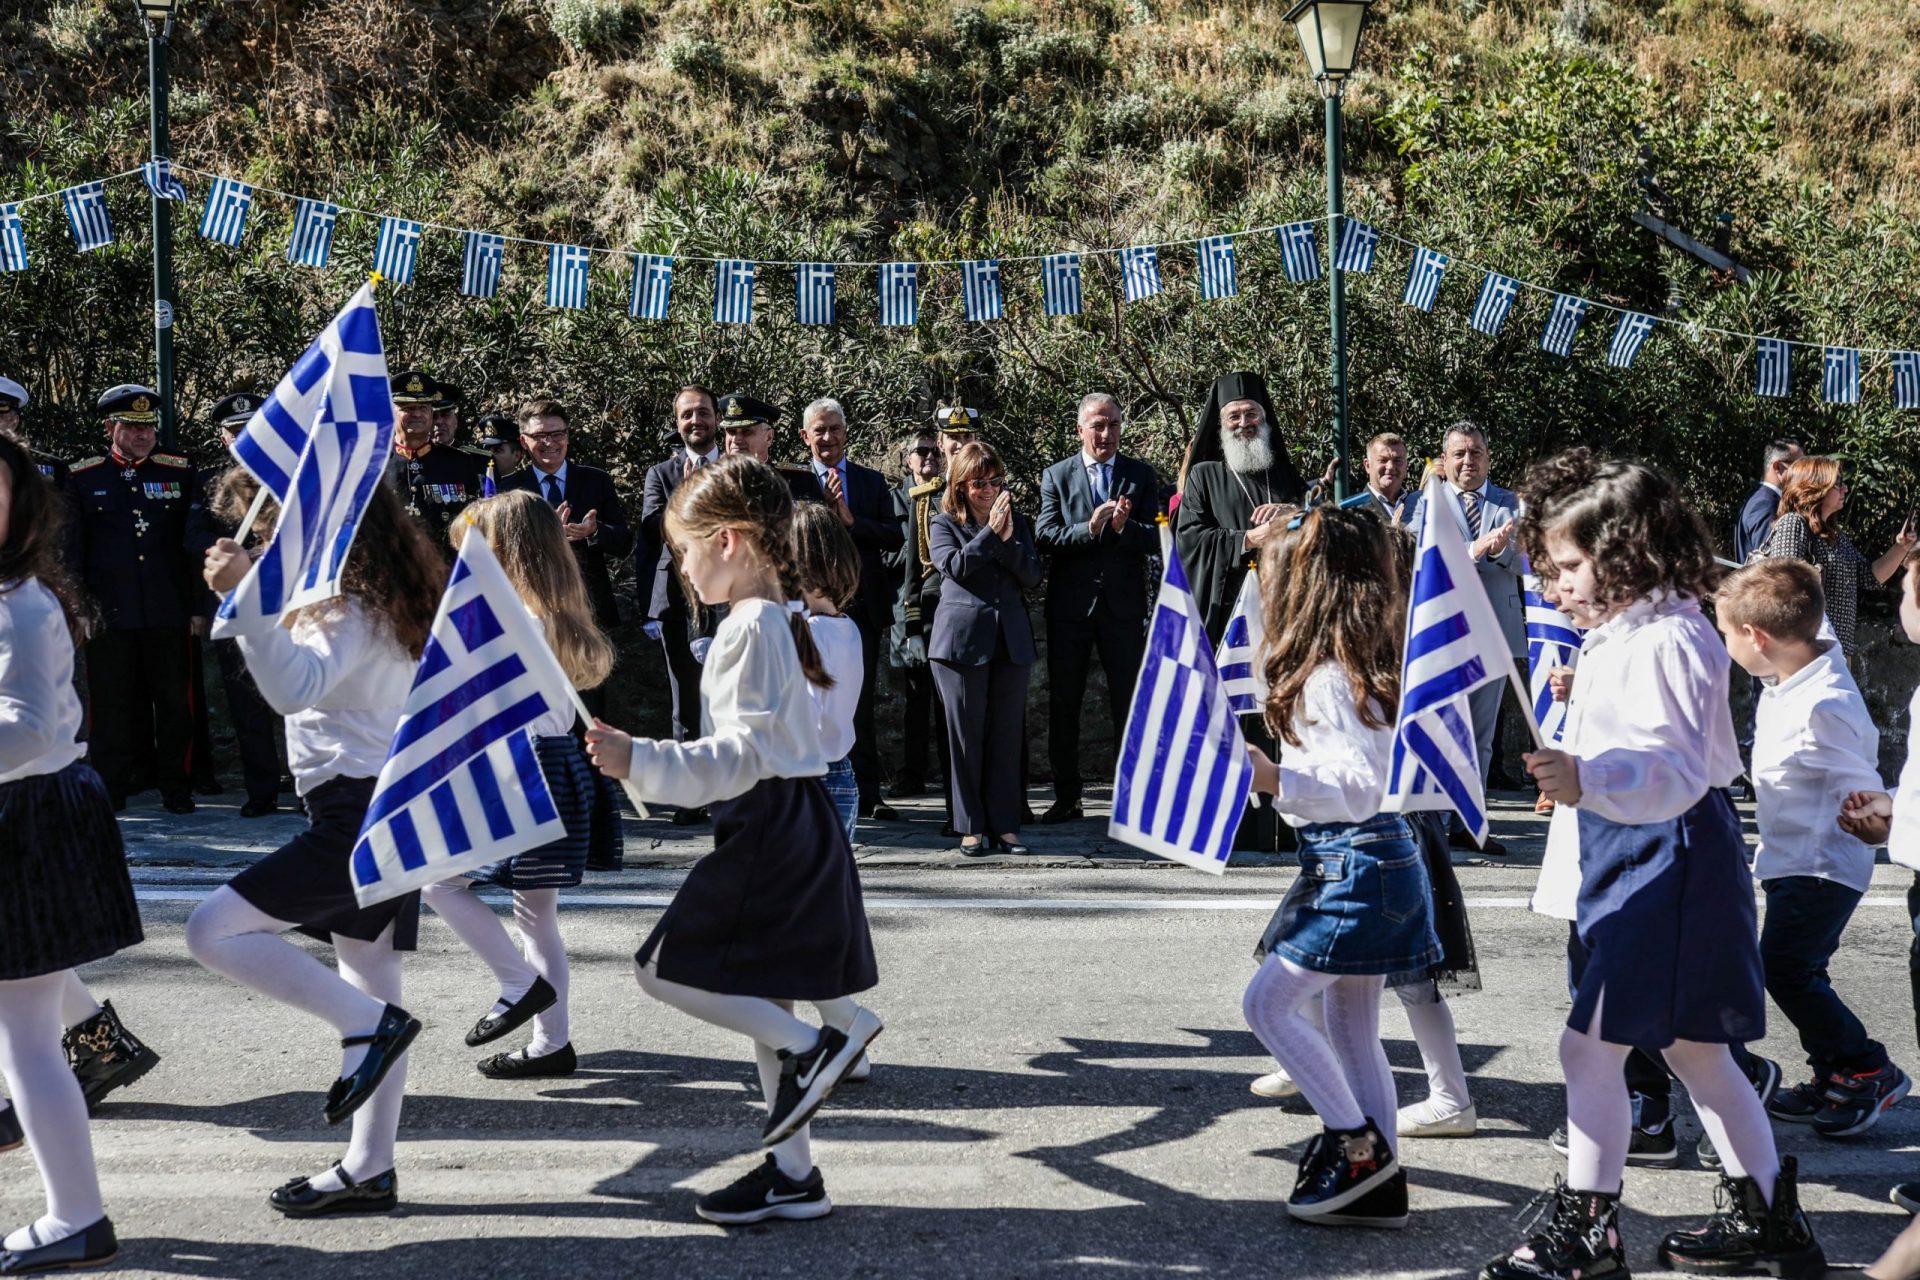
737, 281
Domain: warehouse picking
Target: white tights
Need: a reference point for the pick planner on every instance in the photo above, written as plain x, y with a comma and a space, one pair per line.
1439, 1043
76, 1006
235, 939
1342, 1071
52, 1112
541, 953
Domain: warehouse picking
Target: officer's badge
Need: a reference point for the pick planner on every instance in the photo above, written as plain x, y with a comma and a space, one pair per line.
141, 405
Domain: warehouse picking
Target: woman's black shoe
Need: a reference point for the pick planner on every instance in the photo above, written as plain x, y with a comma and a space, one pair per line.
1340, 1167
300, 1199
538, 999
978, 849
11, 1134
518, 1066
1013, 847
384, 1047
96, 1246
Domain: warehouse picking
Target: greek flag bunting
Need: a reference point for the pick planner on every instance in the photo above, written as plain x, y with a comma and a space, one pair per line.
900, 294
567, 269
1563, 323
1423, 281
162, 181
1239, 655
1357, 246
224, 220
399, 245
319, 444
86, 207
980, 287
1299, 251
1497, 293
1218, 277
813, 290
733, 291
1774, 364
1060, 284
1140, 272
652, 286
1628, 337
13, 239
462, 786
1906, 364
1841, 381
481, 259
1181, 783
1552, 641
312, 241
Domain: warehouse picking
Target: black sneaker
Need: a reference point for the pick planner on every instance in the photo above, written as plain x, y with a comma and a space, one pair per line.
1746, 1236
1651, 1145
1706, 1153
1765, 1077
105, 1055
1800, 1104
1384, 1207
1339, 1168
765, 1192
1855, 1102
808, 1079
1581, 1240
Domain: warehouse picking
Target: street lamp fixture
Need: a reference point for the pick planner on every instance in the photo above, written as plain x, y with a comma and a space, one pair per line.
1330, 32
158, 12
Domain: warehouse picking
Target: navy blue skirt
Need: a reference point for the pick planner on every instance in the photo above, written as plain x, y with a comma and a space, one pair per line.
1361, 904
65, 898
561, 863
1667, 914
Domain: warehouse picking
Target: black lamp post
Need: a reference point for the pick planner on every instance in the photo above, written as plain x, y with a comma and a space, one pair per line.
159, 18
1330, 32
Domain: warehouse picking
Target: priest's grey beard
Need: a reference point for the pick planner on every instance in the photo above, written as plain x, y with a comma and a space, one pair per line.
1247, 456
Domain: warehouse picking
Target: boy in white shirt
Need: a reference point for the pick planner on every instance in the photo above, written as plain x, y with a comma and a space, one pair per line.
1814, 744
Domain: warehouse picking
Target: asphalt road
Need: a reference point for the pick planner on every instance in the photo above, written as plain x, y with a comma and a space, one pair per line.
1061, 1089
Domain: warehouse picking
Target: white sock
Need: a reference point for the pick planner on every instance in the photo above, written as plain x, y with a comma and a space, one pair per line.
372, 967
51, 1109
475, 924
1434, 1033
537, 913
1272, 1005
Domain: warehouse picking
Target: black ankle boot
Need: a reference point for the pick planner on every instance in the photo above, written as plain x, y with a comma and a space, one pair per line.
1746, 1236
1341, 1167
105, 1055
1581, 1240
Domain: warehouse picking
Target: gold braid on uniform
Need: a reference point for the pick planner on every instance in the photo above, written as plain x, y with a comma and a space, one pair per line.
923, 518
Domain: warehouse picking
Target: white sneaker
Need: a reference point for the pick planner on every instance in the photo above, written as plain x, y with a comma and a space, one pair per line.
1423, 1120
1277, 1084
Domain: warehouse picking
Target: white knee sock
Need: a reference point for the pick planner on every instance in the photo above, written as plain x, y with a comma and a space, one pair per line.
1730, 1111
760, 1020
1272, 1005
1353, 1029
51, 1109
372, 967
537, 913
1433, 1032
76, 1002
1599, 1113
475, 924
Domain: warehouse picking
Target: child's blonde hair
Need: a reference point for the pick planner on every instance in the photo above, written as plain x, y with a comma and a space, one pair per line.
528, 540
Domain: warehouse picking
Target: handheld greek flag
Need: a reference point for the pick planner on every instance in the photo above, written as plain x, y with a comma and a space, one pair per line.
1299, 251
813, 288
1183, 777
733, 291
1774, 364
1906, 364
1563, 323
652, 286
1423, 281
1358, 244
462, 785
1140, 272
224, 220
1497, 293
567, 267
980, 286
1552, 641
162, 181
489, 487
1218, 277
312, 242
399, 245
86, 207
1239, 656
13, 239
319, 444
900, 294
482, 256
1628, 337
1840, 383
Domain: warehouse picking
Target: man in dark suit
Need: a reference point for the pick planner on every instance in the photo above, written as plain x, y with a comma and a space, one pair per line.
588, 504
1096, 521
860, 497
1749, 535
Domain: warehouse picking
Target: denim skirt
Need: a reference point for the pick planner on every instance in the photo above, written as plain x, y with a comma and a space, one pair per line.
1362, 904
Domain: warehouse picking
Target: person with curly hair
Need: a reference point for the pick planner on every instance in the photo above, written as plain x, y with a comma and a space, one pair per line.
1808, 528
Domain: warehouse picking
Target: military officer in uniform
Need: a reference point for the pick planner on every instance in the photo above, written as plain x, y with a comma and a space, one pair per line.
914, 503
438, 481
13, 403
137, 531
501, 439
746, 424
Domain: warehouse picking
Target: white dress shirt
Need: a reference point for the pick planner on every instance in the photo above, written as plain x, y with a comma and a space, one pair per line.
757, 721
820, 470
1903, 843
838, 639
1813, 743
39, 711
1338, 773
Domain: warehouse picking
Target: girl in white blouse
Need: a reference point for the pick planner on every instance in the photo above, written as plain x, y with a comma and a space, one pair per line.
773, 915
1334, 607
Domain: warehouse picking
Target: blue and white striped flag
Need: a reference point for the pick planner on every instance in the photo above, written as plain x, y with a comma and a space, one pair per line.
1628, 337
1773, 361
1906, 364
1060, 283
399, 245
1423, 281
1181, 783
652, 286
1218, 275
1497, 293
319, 444
224, 220
900, 294
813, 292
481, 259
1140, 272
86, 207
1299, 251
1563, 322
1840, 383
13, 239
1552, 641
733, 291
980, 288
162, 180
567, 269
462, 785
1239, 655
312, 242
1358, 244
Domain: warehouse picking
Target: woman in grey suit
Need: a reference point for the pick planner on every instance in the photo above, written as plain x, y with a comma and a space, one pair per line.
982, 646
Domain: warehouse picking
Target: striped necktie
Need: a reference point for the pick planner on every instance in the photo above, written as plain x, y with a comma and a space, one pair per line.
1470, 500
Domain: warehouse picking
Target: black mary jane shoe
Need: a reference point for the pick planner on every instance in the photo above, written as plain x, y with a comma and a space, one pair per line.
538, 999
96, 1246
518, 1066
389, 1040
11, 1134
300, 1199
978, 849
1011, 847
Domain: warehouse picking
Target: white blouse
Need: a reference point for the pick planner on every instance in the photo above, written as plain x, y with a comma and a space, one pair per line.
1903, 842
39, 711
757, 719
1339, 771
341, 679
838, 639
1813, 743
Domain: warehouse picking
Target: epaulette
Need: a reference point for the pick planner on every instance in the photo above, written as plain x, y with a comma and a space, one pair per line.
934, 485
84, 463
169, 460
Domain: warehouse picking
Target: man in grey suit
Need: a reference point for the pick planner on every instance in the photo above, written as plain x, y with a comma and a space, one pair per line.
1485, 513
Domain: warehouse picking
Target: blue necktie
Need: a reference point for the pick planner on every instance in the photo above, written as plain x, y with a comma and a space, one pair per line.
1099, 478
553, 490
